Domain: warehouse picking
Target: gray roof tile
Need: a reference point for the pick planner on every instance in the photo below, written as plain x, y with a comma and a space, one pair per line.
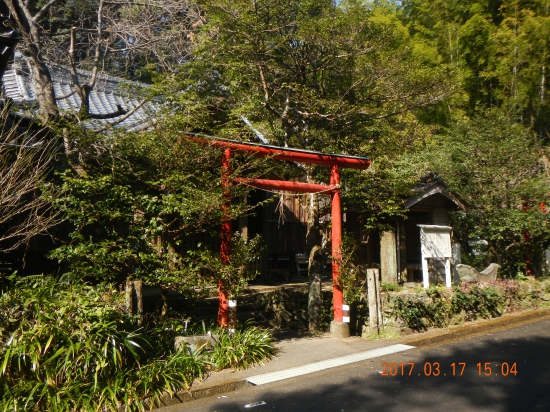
107, 94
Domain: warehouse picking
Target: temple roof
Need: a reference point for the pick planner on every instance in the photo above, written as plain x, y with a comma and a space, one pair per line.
108, 96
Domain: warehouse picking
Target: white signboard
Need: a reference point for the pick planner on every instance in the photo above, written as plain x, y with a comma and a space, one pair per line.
436, 243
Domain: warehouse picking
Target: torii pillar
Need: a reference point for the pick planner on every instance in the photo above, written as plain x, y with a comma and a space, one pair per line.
225, 238
337, 327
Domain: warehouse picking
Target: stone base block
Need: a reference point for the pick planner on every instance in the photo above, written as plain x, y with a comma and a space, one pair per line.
339, 330
195, 342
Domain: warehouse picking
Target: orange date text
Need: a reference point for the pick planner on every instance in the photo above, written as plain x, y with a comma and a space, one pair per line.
453, 369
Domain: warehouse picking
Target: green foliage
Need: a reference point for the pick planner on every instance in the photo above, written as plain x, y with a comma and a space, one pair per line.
389, 287
476, 302
494, 164
317, 75
233, 274
420, 312
327, 312
140, 207
350, 276
66, 345
242, 348
498, 48
440, 306
384, 335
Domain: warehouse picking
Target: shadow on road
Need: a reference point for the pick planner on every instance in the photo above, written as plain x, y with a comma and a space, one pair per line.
363, 388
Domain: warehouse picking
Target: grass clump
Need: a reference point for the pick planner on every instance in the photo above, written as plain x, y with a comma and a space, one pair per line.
383, 335
389, 287
242, 348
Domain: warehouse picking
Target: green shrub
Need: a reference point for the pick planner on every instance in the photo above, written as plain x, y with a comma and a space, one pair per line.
242, 348
67, 346
440, 306
476, 301
419, 313
412, 311
389, 287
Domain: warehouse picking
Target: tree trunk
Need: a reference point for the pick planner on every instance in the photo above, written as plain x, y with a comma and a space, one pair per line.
43, 88
315, 267
72, 154
40, 73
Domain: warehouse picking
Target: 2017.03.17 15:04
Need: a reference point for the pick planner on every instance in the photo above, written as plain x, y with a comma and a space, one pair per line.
454, 369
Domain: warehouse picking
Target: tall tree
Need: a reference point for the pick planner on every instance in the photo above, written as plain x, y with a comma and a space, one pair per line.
100, 36
494, 164
312, 74
500, 49
139, 204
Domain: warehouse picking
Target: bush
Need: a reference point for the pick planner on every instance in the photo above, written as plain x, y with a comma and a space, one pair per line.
477, 302
68, 346
389, 287
412, 311
439, 307
242, 348
420, 313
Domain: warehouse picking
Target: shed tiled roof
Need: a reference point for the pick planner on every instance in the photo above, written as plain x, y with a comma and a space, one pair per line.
431, 187
108, 95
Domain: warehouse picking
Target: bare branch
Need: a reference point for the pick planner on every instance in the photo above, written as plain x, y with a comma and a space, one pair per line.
121, 119
25, 162
43, 10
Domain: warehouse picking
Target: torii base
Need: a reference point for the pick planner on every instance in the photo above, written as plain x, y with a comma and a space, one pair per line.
339, 330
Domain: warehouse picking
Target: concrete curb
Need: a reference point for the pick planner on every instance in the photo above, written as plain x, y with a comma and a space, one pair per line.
204, 392
435, 337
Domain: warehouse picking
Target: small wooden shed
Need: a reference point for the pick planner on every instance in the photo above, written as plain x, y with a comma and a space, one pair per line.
400, 248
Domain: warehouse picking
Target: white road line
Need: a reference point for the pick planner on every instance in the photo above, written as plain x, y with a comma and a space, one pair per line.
326, 364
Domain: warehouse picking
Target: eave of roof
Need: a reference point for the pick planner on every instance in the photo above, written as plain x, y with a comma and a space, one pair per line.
436, 188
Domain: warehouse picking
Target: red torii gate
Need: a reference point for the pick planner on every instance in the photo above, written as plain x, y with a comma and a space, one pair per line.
286, 154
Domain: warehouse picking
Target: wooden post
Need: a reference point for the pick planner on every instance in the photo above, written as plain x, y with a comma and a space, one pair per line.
373, 289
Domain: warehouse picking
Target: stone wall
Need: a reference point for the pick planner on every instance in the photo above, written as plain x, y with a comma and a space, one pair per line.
286, 307
441, 307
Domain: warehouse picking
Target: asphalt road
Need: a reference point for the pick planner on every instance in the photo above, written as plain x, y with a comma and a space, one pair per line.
467, 375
